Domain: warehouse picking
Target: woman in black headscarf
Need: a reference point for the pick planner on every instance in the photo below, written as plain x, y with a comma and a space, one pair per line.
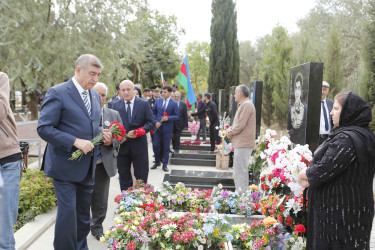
340, 180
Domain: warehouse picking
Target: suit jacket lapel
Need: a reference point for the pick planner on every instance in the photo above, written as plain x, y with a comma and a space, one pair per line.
93, 100
135, 108
73, 92
123, 114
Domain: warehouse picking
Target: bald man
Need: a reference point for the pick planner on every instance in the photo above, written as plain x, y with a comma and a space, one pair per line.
135, 113
106, 165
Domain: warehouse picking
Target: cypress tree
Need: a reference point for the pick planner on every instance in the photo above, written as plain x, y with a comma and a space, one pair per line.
368, 57
333, 68
224, 68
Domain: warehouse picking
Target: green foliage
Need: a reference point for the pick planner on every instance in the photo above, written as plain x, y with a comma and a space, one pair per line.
198, 58
224, 53
275, 68
40, 41
368, 57
249, 55
37, 196
333, 69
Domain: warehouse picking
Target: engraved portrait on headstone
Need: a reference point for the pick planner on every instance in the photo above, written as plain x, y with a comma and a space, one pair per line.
298, 107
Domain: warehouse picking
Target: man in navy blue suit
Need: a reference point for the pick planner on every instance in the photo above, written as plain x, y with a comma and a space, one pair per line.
135, 113
181, 123
69, 119
164, 124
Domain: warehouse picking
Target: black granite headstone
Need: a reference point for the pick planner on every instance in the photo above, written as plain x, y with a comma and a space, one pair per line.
256, 93
304, 104
232, 104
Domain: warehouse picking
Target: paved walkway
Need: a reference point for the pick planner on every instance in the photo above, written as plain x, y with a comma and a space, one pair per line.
45, 242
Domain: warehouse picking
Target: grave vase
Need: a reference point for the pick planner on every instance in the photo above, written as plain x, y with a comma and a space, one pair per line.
225, 162
218, 161
193, 137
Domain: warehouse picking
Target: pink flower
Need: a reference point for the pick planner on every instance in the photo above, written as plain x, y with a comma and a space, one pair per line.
276, 155
117, 244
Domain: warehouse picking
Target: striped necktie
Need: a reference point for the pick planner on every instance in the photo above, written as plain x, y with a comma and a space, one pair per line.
86, 101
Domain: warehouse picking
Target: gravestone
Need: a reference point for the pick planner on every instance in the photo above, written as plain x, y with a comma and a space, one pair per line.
305, 91
221, 102
256, 93
232, 104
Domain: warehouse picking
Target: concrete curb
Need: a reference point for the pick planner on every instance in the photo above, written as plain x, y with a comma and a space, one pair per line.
30, 232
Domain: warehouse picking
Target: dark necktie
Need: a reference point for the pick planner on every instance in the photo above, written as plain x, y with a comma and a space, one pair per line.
129, 111
165, 104
325, 116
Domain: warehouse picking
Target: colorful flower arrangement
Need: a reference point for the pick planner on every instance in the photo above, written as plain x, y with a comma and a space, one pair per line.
118, 132
225, 146
156, 217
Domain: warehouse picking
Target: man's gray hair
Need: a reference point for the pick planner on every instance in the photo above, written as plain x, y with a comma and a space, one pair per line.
102, 84
244, 89
88, 60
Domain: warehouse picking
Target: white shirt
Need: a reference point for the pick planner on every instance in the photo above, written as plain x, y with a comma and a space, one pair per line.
166, 101
322, 130
131, 105
80, 90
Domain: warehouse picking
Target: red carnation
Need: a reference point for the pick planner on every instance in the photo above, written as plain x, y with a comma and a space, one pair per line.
299, 229
118, 199
288, 221
269, 177
262, 178
280, 218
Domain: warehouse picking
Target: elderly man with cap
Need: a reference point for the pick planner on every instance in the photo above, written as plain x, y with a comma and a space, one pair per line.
325, 119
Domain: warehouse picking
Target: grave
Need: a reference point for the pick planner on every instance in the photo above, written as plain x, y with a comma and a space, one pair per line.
193, 158
305, 91
202, 179
232, 104
256, 92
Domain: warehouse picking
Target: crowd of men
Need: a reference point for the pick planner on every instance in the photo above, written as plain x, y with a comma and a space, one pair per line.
72, 114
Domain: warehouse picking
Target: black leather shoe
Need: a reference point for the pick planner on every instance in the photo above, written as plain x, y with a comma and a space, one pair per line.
165, 168
98, 236
155, 166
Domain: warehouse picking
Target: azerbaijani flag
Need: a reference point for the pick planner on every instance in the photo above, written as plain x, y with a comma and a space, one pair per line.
162, 79
184, 79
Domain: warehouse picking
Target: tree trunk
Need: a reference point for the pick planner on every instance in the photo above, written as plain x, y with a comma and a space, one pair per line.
32, 103
32, 106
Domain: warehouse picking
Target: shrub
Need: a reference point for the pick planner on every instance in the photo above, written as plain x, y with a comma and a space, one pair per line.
37, 196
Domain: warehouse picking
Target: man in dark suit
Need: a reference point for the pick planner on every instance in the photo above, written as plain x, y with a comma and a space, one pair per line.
135, 113
69, 119
181, 123
326, 123
106, 166
164, 125
213, 116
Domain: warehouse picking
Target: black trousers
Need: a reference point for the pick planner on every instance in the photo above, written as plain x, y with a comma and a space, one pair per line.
176, 139
99, 201
140, 164
214, 135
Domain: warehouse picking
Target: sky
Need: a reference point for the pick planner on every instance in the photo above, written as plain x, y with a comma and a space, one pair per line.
255, 18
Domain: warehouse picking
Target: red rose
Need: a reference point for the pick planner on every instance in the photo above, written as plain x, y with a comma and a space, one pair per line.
299, 229
280, 218
118, 198
288, 221
262, 178
256, 206
269, 177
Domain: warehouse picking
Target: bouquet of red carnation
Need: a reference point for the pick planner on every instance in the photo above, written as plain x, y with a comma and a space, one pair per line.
165, 114
117, 130
139, 132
